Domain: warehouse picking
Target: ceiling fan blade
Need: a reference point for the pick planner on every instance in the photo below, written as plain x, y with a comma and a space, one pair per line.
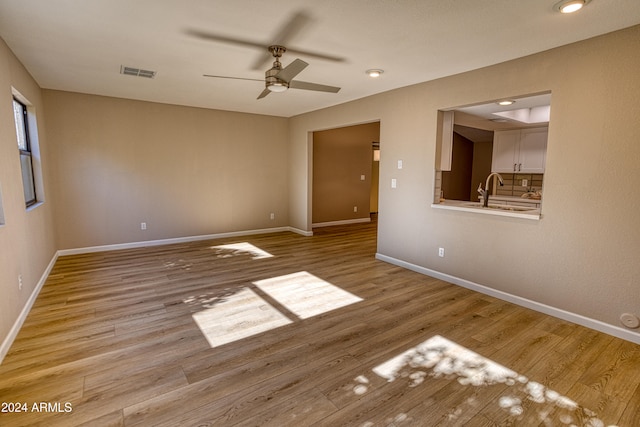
262, 61
264, 93
292, 70
292, 28
288, 31
316, 55
232, 78
225, 39
297, 84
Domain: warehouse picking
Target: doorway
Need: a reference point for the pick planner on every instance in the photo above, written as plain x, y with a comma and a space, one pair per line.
345, 175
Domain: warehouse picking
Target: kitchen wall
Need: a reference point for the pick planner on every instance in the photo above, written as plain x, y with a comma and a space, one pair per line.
183, 171
27, 239
513, 184
340, 158
581, 257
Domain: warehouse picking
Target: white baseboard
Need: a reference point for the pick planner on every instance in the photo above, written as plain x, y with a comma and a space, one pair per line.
341, 222
13, 333
142, 244
597, 325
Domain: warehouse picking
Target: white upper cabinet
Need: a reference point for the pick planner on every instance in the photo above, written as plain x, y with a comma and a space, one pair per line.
505, 150
523, 150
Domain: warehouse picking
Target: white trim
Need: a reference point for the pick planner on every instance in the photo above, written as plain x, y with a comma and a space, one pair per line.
597, 325
142, 244
13, 333
302, 232
342, 222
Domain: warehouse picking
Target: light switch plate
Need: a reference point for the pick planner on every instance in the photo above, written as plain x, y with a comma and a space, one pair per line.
399, 164
394, 183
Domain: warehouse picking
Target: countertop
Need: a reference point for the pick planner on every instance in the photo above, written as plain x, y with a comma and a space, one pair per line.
476, 207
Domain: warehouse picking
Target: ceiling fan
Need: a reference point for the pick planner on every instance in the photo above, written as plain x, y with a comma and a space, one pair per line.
277, 78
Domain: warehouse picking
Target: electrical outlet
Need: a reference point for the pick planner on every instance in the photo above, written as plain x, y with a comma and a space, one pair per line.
362, 178
355, 209
394, 183
143, 226
272, 216
441, 252
524, 183
20, 281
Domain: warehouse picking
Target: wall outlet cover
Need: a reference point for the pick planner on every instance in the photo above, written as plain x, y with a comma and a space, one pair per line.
630, 320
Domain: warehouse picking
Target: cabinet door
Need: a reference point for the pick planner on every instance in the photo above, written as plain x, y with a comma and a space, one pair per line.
533, 150
505, 151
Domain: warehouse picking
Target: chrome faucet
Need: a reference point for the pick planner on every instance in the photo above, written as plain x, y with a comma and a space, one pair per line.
485, 193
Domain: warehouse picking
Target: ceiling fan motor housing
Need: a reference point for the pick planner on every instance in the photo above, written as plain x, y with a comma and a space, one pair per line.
272, 82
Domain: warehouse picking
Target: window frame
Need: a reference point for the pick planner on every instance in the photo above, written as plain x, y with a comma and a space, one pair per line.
26, 152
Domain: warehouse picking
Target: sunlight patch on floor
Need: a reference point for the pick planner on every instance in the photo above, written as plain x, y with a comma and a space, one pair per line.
439, 357
306, 295
234, 249
445, 357
240, 315
231, 314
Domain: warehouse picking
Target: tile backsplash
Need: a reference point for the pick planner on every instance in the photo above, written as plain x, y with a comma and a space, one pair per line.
438, 187
513, 183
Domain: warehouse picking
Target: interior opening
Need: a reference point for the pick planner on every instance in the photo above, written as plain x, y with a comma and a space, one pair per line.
345, 174
492, 155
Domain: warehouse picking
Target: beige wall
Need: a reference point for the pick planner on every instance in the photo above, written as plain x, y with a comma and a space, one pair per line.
27, 242
340, 157
184, 171
582, 256
109, 164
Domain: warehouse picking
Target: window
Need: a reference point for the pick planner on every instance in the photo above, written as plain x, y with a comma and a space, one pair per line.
24, 146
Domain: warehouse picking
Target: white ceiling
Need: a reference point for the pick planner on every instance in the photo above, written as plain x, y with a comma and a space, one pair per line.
80, 45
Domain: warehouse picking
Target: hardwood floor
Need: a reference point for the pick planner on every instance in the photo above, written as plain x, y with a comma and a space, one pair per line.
206, 334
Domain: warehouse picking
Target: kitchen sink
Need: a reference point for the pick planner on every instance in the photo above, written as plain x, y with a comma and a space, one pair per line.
505, 208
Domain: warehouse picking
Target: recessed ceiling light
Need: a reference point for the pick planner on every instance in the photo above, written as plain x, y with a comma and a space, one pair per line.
505, 102
570, 6
374, 73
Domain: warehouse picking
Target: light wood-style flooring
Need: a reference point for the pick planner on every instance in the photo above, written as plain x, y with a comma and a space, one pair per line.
191, 335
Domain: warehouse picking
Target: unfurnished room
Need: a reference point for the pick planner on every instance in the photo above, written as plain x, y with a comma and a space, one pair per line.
337, 213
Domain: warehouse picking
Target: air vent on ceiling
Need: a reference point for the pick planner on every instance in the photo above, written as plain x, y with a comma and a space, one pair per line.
130, 71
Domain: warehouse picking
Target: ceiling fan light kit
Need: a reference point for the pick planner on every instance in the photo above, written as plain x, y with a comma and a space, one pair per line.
277, 86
